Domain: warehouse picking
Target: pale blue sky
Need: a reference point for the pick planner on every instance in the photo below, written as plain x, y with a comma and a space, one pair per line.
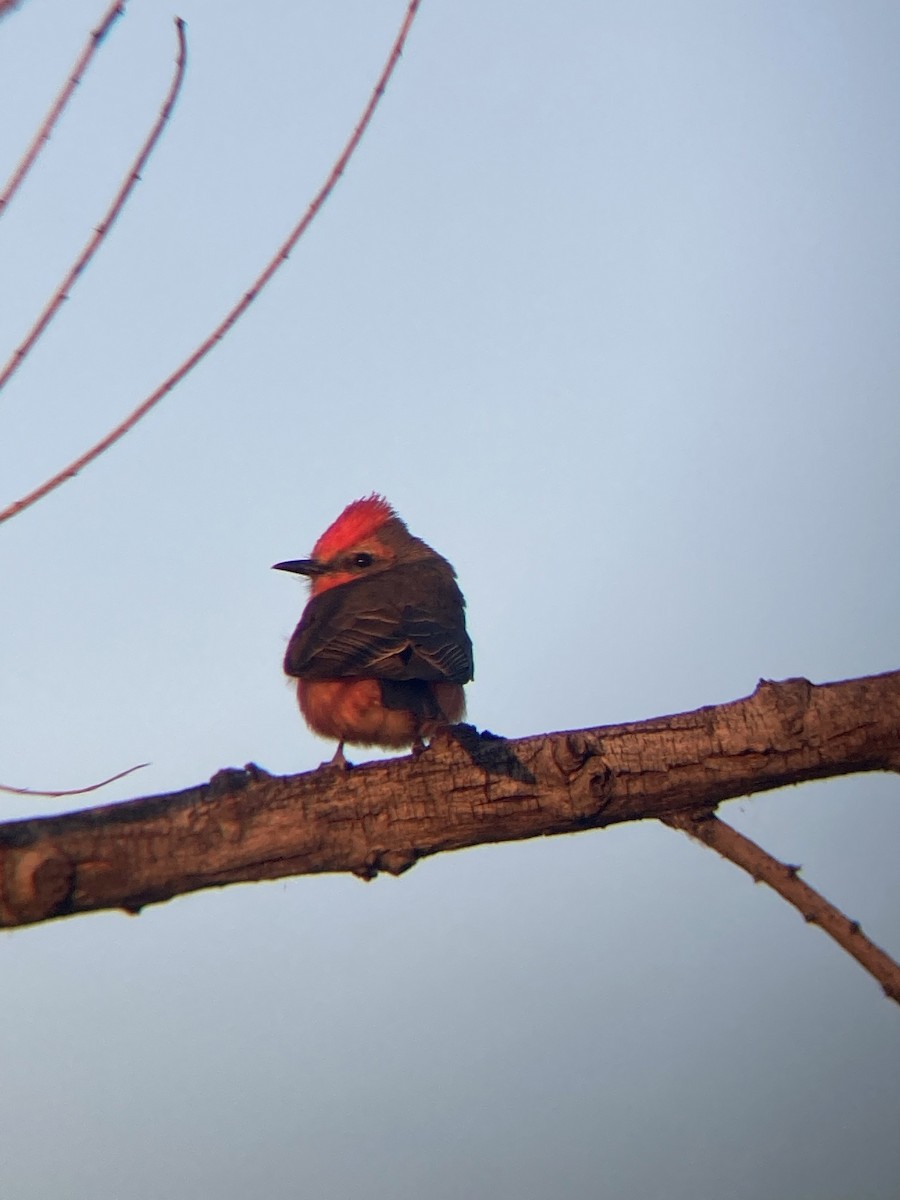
607, 305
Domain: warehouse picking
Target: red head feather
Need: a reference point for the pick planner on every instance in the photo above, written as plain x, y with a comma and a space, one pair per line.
357, 522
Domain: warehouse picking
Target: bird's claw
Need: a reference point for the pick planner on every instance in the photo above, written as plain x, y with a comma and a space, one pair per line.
338, 760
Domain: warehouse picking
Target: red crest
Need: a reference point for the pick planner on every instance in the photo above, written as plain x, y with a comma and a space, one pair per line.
357, 522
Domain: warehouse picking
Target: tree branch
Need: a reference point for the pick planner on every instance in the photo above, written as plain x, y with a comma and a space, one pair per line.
94, 42
92, 245
784, 879
467, 789
237, 311
91, 787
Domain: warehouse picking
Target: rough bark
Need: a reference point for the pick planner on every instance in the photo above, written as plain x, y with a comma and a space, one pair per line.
467, 789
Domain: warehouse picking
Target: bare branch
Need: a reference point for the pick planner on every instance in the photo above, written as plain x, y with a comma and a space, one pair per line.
465, 790
93, 787
115, 10
94, 241
815, 909
246, 300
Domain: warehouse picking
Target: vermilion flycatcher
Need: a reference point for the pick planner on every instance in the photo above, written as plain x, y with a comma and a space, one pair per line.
381, 651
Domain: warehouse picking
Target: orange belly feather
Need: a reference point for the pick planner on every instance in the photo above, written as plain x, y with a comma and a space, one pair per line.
351, 710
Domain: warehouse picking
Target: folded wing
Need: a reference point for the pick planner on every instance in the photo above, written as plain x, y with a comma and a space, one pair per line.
405, 623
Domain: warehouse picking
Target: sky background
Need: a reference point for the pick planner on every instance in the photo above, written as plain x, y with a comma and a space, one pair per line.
607, 305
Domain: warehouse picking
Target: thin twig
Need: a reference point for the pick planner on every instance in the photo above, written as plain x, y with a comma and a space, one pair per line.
246, 300
93, 243
115, 10
815, 909
16, 791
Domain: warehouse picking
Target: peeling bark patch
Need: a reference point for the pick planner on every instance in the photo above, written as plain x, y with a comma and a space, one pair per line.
38, 883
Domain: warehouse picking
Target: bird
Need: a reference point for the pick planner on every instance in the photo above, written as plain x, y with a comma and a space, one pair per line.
381, 653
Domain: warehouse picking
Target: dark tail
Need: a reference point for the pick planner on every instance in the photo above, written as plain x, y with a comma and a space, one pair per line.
414, 695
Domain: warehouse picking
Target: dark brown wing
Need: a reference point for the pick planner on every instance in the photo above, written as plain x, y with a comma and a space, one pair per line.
404, 623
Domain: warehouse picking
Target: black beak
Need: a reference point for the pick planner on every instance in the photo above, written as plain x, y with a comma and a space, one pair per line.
300, 566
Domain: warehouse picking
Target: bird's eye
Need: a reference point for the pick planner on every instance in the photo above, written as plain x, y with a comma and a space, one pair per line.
363, 560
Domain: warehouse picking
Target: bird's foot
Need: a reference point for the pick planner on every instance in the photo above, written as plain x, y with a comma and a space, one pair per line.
338, 759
